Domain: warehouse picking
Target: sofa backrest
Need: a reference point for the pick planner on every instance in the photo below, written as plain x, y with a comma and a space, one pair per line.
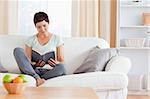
75, 50
7, 45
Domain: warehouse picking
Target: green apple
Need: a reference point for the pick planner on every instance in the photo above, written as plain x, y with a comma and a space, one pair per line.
23, 77
7, 79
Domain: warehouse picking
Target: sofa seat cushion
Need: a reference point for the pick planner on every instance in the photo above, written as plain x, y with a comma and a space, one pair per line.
30, 80
96, 80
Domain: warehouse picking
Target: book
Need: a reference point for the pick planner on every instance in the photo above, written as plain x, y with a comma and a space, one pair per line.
47, 56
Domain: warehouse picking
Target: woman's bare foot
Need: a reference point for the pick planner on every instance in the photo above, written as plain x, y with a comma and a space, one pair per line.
39, 81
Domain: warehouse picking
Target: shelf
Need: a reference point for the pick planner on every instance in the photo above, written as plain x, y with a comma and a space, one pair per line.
136, 6
135, 48
135, 26
130, 24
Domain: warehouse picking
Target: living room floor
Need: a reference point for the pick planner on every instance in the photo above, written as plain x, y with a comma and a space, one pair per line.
138, 97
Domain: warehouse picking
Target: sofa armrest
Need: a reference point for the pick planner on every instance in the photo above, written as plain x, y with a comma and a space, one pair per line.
119, 64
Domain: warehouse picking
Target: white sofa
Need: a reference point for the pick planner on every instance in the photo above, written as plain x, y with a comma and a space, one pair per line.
111, 84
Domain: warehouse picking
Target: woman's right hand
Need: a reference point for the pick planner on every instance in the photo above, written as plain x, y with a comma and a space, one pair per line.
40, 63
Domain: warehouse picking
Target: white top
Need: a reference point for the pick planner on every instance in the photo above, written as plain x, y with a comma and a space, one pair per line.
51, 45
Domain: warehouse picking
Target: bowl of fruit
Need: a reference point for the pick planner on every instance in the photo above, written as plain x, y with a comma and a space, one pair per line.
14, 85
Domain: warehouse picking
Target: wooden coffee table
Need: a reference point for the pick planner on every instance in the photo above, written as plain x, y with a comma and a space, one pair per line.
51, 93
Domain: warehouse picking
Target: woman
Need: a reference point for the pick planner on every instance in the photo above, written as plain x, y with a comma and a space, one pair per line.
38, 51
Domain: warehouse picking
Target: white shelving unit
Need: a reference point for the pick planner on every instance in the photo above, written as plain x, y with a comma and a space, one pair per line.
131, 21
130, 25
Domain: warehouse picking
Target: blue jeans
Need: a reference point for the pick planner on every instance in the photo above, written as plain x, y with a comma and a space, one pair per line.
26, 67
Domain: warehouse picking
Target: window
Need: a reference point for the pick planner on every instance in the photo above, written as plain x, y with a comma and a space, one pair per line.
60, 17
59, 12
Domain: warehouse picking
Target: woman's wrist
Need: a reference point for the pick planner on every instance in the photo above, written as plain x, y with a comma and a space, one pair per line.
33, 63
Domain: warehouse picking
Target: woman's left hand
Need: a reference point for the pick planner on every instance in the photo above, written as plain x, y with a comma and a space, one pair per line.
53, 62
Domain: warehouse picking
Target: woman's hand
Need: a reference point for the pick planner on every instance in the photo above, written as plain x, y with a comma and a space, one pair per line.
53, 62
40, 63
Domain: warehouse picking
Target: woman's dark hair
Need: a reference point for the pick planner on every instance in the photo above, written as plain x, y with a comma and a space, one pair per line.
40, 16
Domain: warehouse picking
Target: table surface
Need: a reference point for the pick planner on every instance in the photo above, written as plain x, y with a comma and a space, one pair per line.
51, 93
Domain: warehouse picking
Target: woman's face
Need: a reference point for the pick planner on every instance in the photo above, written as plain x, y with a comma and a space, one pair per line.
42, 27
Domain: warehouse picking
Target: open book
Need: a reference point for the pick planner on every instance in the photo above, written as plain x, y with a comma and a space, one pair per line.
36, 57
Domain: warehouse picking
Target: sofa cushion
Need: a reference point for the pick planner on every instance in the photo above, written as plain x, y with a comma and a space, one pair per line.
97, 80
75, 51
96, 60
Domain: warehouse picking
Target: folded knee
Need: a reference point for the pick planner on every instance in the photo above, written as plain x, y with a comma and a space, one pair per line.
62, 69
17, 50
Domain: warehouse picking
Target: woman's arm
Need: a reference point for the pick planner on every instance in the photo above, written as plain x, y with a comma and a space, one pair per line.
60, 53
59, 58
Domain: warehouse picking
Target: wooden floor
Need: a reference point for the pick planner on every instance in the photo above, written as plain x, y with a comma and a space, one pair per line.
138, 97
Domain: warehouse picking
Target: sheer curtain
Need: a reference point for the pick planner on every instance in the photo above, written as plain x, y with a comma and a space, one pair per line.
91, 18
8, 17
105, 19
59, 12
85, 18
68, 18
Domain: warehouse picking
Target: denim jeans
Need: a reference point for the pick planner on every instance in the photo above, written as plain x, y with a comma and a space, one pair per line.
26, 67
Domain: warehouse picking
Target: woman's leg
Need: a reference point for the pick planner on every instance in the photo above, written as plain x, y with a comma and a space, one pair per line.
24, 64
58, 70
